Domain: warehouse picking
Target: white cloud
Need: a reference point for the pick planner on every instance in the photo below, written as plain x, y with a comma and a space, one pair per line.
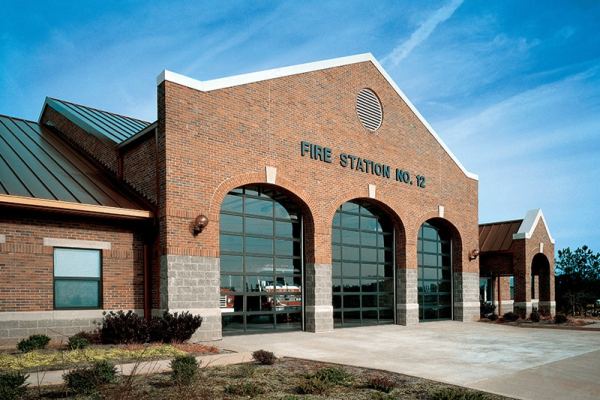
421, 34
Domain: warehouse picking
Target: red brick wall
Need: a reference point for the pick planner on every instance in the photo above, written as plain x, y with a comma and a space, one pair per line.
99, 148
139, 166
216, 141
26, 266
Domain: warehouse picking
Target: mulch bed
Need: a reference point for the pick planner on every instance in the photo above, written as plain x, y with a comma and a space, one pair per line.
283, 381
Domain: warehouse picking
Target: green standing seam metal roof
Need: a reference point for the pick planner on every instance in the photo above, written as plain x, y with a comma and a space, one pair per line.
115, 127
34, 162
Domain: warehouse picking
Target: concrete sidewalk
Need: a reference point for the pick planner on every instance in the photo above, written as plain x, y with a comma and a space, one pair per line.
143, 368
484, 356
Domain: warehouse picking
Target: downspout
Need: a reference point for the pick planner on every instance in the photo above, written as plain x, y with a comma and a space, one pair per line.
499, 296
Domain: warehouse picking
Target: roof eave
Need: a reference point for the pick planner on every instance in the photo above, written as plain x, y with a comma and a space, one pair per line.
74, 208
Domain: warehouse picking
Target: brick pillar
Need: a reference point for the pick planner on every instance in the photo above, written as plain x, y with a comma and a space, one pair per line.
191, 283
318, 315
522, 304
547, 305
466, 296
407, 303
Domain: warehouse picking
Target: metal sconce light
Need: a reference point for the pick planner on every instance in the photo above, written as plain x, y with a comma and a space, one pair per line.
473, 254
199, 224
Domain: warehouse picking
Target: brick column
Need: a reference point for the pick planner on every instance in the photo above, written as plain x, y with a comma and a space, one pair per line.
522, 305
191, 283
466, 296
317, 298
407, 304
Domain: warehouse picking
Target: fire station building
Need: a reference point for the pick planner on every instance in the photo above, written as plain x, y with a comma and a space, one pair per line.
312, 197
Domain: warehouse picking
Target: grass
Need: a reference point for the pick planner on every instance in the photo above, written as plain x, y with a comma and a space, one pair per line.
285, 380
59, 358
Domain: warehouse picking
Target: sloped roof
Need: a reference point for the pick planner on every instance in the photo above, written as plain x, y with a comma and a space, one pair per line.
244, 79
532, 218
497, 236
35, 164
115, 127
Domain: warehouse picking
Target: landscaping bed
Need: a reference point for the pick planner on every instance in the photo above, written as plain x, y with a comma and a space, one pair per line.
286, 379
60, 357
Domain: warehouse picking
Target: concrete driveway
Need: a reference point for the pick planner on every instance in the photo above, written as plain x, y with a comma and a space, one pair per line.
517, 362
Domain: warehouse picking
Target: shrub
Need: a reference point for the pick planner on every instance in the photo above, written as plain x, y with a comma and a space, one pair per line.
123, 327
245, 370
91, 337
493, 317
486, 309
184, 369
314, 385
452, 393
381, 382
77, 342
534, 316
333, 375
560, 318
33, 342
245, 389
264, 357
12, 385
176, 327
510, 316
86, 380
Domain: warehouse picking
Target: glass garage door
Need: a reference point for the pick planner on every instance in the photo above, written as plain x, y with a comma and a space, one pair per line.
363, 266
261, 263
435, 275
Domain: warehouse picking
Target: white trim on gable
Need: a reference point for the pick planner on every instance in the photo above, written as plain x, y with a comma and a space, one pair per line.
529, 224
221, 83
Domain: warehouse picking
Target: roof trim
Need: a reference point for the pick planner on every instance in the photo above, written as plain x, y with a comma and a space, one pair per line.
243, 79
138, 135
58, 205
530, 223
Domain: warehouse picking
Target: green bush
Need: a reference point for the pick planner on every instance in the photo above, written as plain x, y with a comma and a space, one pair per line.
560, 319
314, 385
381, 382
176, 327
534, 316
12, 385
334, 375
452, 393
264, 357
184, 369
86, 380
33, 342
77, 342
123, 327
245, 389
510, 316
91, 337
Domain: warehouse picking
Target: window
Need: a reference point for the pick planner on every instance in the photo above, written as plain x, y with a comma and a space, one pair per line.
77, 278
511, 283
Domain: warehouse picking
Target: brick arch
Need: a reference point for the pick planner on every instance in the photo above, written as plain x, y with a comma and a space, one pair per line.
305, 201
398, 223
447, 224
540, 266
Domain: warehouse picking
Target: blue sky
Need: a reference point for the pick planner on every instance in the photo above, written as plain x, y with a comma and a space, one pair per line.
513, 87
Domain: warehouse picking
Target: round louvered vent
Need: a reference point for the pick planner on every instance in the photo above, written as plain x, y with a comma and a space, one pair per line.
369, 110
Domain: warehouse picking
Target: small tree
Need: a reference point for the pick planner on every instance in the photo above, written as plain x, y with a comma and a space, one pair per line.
578, 278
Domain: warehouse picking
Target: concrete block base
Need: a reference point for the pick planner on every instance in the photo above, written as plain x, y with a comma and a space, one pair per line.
407, 314
547, 307
318, 318
523, 308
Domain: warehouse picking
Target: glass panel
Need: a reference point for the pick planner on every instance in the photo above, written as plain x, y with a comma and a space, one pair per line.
284, 247
232, 283
368, 224
352, 318
350, 253
232, 263
288, 266
284, 229
281, 212
336, 269
351, 301
260, 322
258, 245
259, 265
230, 243
231, 223
368, 255
233, 322
369, 285
259, 303
260, 207
350, 207
350, 221
76, 294
351, 285
351, 269
368, 239
431, 247
76, 263
369, 269
337, 284
259, 226
370, 301
258, 283
232, 203
350, 237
